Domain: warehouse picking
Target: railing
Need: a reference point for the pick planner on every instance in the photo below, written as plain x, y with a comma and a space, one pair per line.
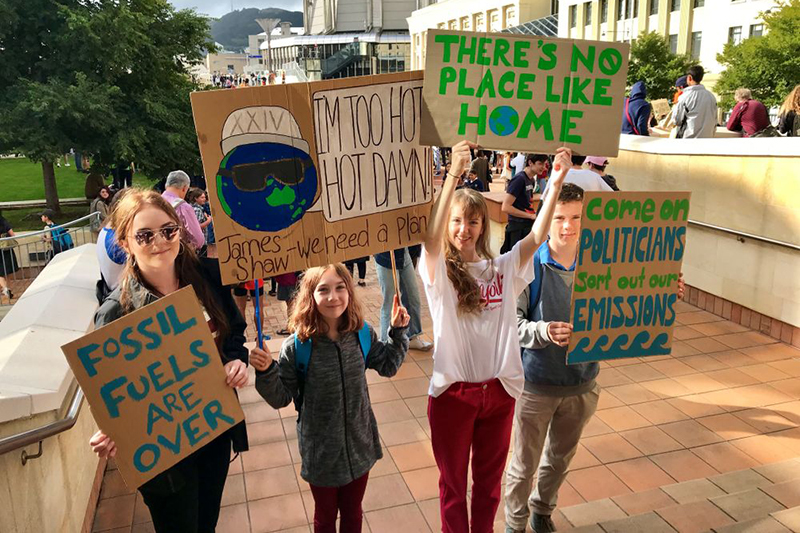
741, 235
23, 256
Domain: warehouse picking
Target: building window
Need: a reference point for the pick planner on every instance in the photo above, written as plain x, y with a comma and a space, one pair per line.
735, 35
699, 3
587, 12
464, 23
697, 38
673, 43
477, 20
453, 24
635, 8
675, 5
620, 9
573, 16
494, 20
603, 10
510, 16
654, 7
756, 30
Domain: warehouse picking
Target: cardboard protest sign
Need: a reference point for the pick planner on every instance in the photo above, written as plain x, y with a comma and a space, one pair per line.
660, 107
625, 286
522, 92
307, 174
155, 383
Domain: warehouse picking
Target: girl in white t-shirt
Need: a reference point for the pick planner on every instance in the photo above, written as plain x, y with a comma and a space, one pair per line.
477, 371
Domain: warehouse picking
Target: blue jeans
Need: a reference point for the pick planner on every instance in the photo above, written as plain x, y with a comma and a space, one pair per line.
409, 296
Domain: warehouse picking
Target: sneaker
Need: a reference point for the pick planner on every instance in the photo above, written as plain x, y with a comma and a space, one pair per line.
510, 529
541, 523
362, 283
418, 343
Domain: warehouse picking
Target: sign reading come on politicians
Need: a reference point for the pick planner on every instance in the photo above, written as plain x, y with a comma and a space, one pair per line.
307, 174
626, 278
527, 93
155, 382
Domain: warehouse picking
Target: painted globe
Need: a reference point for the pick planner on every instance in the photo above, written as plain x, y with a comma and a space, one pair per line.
503, 120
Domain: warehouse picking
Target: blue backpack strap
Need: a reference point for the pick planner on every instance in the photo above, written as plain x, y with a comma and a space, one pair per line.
365, 340
302, 354
536, 284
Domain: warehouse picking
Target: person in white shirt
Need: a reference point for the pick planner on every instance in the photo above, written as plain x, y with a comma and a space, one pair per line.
477, 370
583, 178
518, 163
696, 110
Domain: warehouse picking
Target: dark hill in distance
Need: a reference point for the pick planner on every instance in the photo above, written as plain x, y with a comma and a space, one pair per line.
232, 29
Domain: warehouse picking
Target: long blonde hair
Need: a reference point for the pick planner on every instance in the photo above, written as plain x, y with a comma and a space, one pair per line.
307, 322
466, 286
792, 102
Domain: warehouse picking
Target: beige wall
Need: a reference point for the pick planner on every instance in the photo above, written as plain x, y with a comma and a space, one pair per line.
755, 194
219, 63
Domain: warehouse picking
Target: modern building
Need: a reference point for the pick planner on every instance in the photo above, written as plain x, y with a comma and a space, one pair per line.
348, 38
225, 63
471, 15
696, 27
256, 57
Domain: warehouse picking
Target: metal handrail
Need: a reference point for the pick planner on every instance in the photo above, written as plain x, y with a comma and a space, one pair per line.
744, 235
32, 436
43, 231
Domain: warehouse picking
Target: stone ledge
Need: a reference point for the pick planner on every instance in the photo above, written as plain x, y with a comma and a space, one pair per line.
738, 147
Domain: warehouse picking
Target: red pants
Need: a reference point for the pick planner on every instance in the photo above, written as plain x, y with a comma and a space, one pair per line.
466, 416
329, 501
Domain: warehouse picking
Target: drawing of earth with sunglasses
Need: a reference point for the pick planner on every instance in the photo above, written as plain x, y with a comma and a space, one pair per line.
267, 180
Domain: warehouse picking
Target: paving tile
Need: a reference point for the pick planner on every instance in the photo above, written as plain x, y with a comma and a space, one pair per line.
113, 485
728, 426
651, 440
686, 332
702, 363
765, 420
622, 418
697, 317
643, 502
699, 383
395, 433
141, 528
568, 496
764, 449
673, 367
693, 491
723, 327
233, 519
641, 372
787, 493
609, 377
681, 349
423, 483
683, 465
747, 505
393, 411
608, 401
384, 466
732, 377
268, 455
694, 517
650, 522
667, 387
724, 457
409, 370
264, 432
690, 433
386, 491
383, 392
413, 455
764, 373
745, 339
640, 474
276, 514
596, 483
631, 393
790, 387
114, 512
259, 412
740, 480
593, 512
780, 472
695, 406
611, 447
707, 345
430, 510
409, 388
790, 518
249, 394
595, 426
270, 482
771, 352
789, 366
583, 459
759, 525
402, 519
659, 412
234, 490
141, 513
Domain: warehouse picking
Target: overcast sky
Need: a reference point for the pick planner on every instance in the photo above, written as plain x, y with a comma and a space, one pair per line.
217, 8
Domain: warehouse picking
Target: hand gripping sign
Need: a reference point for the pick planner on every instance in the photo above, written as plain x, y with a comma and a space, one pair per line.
312, 173
155, 383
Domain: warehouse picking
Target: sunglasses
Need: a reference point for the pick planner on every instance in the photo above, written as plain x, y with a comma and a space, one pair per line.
146, 237
252, 177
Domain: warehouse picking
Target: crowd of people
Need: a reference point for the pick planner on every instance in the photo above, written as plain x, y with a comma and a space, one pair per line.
232, 81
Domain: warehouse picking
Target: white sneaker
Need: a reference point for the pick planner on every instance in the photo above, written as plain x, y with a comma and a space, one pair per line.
418, 343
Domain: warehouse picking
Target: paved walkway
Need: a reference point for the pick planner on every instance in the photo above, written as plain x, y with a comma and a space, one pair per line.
681, 434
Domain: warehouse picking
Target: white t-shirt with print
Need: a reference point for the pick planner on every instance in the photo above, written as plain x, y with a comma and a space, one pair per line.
585, 179
477, 347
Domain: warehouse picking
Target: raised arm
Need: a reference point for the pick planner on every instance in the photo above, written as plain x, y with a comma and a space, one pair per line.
538, 234
441, 208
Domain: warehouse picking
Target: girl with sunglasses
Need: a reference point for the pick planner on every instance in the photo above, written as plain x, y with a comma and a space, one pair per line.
187, 496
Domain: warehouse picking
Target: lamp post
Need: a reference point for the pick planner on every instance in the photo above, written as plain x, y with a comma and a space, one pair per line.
268, 25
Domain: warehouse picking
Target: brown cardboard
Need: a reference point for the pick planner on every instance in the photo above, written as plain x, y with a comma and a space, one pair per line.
660, 107
610, 283
184, 400
533, 71
374, 184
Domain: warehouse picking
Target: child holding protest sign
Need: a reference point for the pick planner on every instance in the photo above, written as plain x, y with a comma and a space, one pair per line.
187, 496
322, 368
477, 370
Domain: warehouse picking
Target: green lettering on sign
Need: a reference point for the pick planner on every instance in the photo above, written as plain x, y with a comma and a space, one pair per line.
567, 124
446, 40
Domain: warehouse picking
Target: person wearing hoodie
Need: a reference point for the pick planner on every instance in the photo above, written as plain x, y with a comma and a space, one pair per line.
696, 110
636, 112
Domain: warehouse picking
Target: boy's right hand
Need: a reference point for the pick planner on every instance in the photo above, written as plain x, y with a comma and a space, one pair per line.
260, 359
559, 333
102, 445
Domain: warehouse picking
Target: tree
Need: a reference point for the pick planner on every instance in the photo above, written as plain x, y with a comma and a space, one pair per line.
768, 65
107, 77
653, 63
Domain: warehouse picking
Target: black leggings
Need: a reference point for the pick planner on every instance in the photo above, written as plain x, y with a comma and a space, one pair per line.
362, 266
186, 498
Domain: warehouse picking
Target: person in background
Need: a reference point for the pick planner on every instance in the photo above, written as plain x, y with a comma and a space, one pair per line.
636, 111
517, 163
473, 182
598, 165
680, 85
517, 201
100, 205
506, 172
584, 178
480, 166
8, 258
59, 238
175, 188
789, 123
123, 174
748, 116
196, 197
287, 289
94, 182
211, 238
696, 110
362, 269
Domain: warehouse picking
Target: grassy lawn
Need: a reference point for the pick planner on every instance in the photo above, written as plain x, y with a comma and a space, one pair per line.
20, 179
29, 219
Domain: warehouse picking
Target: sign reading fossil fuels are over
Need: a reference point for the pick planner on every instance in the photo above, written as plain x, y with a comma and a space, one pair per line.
526, 93
155, 382
307, 174
625, 288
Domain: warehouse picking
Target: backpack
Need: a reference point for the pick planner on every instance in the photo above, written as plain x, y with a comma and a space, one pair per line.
62, 240
302, 355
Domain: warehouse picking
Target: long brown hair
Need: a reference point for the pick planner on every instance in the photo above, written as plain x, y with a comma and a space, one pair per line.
465, 284
187, 266
792, 102
306, 321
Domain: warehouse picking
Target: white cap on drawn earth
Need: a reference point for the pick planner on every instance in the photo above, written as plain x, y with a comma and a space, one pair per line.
261, 124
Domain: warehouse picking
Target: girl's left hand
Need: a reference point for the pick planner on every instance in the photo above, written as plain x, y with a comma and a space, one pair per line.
400, 316
681, 286
236, 374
